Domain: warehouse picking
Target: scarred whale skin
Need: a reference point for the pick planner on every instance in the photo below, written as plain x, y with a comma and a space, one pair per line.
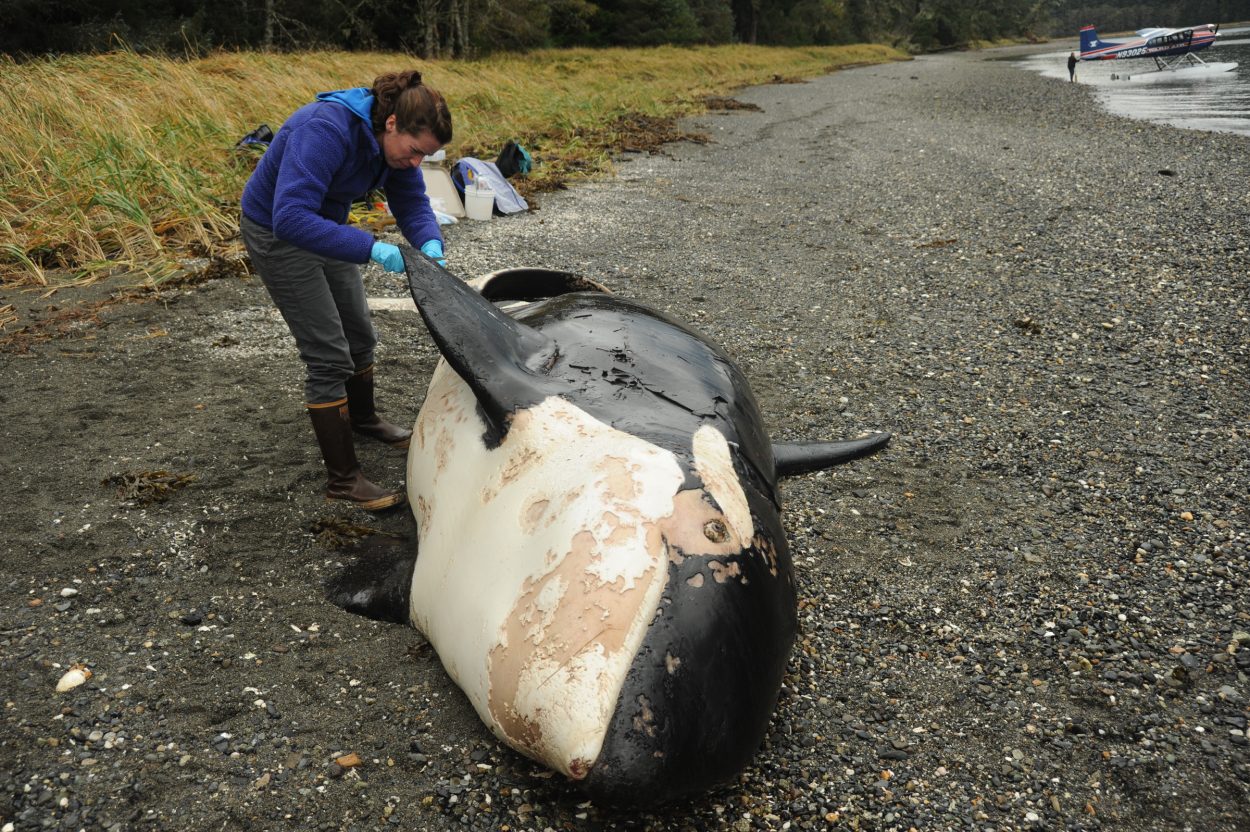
601, 564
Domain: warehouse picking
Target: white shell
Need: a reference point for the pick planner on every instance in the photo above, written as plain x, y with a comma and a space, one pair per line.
73, 677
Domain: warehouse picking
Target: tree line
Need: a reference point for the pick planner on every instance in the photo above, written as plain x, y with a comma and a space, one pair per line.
465, 28
1068, 18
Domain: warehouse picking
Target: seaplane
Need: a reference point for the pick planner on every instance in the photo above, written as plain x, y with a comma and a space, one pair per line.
1172, 50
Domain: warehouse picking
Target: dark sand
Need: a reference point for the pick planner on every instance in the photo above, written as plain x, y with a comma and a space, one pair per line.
1031, 612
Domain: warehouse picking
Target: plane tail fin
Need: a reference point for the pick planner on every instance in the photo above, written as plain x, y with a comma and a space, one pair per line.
1089, 39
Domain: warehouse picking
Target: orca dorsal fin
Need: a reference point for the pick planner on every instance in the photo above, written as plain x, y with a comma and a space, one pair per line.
802, 457
502, 360
529, 283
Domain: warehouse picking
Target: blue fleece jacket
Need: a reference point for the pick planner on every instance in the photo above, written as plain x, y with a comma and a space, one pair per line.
323, 158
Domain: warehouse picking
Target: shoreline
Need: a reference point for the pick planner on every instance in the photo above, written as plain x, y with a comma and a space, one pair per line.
1018, 616
1173, 100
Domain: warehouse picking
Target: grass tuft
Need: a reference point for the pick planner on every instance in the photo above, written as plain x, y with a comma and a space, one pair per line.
126, 162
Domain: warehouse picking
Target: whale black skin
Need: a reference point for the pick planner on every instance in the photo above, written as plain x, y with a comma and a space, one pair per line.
700, 690
647, 375
700, 693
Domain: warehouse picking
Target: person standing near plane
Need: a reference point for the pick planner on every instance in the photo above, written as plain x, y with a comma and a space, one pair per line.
1071, 67
295, 206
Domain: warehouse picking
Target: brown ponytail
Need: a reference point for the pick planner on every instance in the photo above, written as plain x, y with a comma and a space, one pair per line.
415, 106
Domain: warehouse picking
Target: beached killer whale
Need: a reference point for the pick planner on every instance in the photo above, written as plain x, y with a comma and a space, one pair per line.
601, 564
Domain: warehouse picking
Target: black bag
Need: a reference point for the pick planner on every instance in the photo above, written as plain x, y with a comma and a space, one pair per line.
261, 135
513, 160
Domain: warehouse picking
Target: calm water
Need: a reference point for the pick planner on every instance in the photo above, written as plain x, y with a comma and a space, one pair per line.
1215, 102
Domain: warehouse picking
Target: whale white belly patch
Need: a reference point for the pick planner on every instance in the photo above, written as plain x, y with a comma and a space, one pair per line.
541, 563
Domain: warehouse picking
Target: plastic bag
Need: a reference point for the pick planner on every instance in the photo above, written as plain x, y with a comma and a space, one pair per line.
469, 170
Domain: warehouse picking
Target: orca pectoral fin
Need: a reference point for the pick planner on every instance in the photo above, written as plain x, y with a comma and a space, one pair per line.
802, 457
378, 583
502, 360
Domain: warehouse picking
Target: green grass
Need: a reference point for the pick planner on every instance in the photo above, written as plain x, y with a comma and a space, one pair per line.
125, 162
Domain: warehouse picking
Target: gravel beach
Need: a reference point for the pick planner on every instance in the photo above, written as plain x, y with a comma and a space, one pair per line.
1032, 611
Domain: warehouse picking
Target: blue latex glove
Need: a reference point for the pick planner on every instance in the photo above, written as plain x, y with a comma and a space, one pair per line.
433, 249
387, 256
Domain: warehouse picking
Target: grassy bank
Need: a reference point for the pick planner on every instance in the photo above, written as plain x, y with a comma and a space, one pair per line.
123, 161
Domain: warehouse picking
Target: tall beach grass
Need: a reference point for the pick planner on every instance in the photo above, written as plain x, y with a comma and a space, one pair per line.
126, 162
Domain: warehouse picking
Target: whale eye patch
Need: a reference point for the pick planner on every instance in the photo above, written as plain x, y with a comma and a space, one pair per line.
715, 531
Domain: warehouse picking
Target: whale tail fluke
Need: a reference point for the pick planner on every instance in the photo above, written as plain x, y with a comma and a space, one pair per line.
794, 458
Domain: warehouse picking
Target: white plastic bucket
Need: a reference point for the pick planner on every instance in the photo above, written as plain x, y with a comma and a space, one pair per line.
479, 204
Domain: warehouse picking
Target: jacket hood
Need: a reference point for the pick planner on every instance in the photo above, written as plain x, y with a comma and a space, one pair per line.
358, 99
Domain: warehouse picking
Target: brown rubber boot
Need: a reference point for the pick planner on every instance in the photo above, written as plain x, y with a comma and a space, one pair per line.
365, 419
344, 480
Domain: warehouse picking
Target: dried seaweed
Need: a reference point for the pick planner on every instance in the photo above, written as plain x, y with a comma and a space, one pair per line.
147, 487
337, 533
719, 103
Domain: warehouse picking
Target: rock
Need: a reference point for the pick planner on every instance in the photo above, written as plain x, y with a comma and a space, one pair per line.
348, 760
